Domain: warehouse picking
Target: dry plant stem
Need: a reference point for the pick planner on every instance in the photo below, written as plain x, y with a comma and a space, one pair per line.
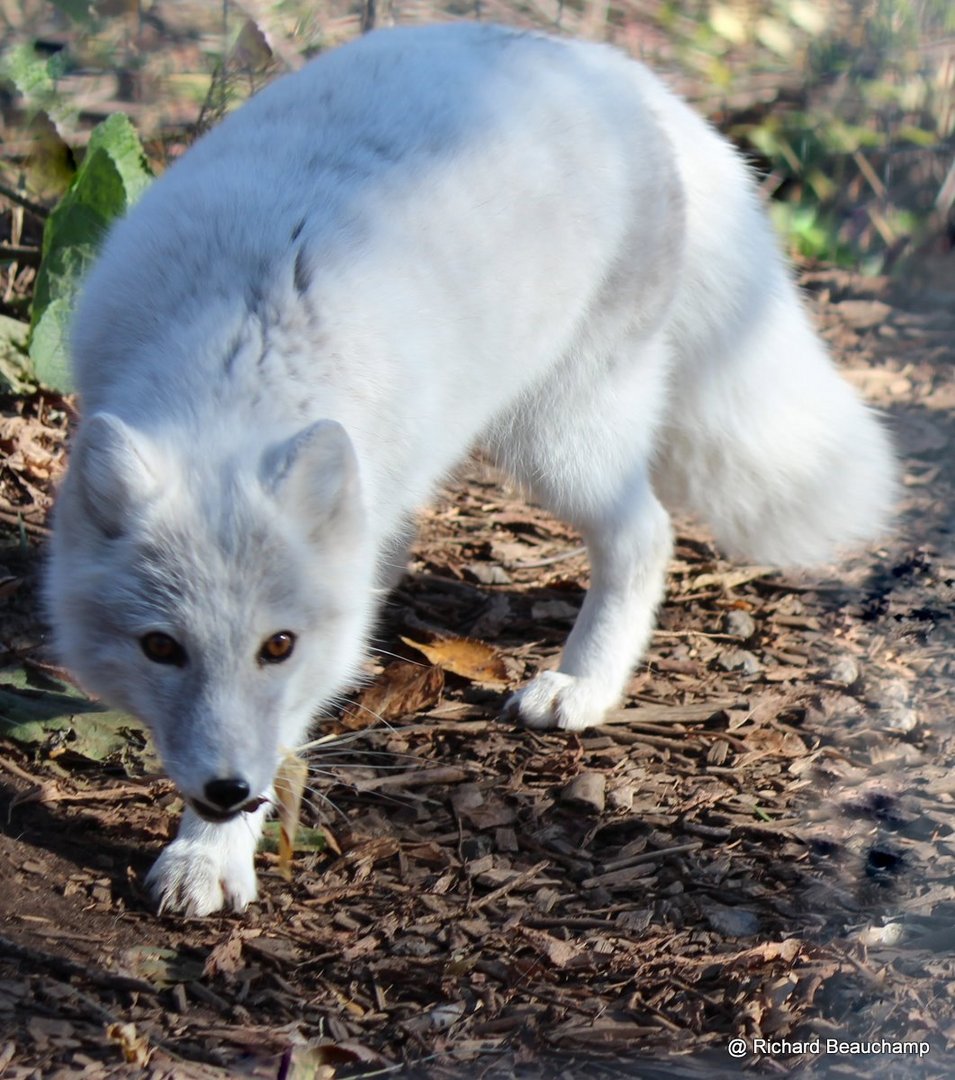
22, 200
18, 522
509, 886
418, 778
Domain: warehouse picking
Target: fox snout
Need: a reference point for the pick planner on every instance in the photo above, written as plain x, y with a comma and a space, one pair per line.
225, 798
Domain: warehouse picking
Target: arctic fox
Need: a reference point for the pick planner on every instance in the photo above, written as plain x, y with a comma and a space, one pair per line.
426, 240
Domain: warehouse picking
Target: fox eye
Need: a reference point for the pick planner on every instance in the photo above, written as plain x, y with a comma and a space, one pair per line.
162, 649
277, 648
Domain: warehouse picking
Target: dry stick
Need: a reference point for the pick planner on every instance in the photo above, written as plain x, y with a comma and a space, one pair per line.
20, 522
22, 200
650, 856
28, 255
672, 714
550, 560
449, 774
508, 886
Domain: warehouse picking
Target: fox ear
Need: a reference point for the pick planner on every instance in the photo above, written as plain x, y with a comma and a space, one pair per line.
315, 475
110, 462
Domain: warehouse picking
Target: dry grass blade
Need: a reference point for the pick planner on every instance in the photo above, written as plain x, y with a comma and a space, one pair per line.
289, 789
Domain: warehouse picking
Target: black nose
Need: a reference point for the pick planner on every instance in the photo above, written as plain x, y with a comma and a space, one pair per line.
227, 794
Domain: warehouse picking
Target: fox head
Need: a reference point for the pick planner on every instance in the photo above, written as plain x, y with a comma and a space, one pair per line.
222, 602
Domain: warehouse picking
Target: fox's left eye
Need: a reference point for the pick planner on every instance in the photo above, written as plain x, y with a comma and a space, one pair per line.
162, 649
277, 648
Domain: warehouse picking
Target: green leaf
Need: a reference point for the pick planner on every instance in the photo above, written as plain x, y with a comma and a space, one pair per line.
918, 136
162, 967
44, 714
117, 137
32, 76
110, 179
14, 363
306, 838
50, 345
78, 10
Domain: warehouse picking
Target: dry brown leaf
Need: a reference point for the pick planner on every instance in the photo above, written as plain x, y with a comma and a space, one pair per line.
289, 787
135, 1047
474, 660
560, 953
728, 579
401, 689
226, 957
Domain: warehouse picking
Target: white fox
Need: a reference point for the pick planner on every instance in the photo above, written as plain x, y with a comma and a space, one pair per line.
426, 240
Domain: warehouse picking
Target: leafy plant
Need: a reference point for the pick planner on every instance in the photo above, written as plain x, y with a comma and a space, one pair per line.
51, 717
112, 176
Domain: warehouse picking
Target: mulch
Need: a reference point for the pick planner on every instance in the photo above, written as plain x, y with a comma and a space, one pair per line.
758, 844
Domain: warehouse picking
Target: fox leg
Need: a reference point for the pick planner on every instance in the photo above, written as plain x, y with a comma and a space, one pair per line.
584, 447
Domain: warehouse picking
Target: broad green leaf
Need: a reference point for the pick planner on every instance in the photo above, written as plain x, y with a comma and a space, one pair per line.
50, 345
117, 137
32, 76
161, 966
42, 713
49, 166
14, 364
306, 838
111, 178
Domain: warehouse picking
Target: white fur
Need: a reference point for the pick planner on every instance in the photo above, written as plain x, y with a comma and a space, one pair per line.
427, 239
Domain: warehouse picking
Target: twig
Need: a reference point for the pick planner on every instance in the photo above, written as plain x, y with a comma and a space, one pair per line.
22, 200
449, 774
508, 886
649, 856
29, 255
531, 564
9, 518
672, 714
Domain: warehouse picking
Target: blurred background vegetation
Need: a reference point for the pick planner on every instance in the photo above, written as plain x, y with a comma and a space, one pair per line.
846, 107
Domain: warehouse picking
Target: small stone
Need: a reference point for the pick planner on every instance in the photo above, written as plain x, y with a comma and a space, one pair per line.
489, 573
739, 624
739, 660
733, 922
586, 792
844, 671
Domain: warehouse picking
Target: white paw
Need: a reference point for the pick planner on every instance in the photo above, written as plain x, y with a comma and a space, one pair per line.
192, 880
206, 868
556, 700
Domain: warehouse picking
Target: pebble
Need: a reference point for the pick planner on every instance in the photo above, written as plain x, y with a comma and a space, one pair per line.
739, 660
739, 624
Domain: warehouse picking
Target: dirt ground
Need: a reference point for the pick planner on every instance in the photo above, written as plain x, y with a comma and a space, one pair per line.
758, 845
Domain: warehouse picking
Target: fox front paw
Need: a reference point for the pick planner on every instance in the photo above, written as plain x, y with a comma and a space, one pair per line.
556, 700
195, 878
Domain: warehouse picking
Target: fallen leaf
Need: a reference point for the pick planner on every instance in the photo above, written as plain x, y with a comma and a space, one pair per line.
560, 953
289, 787
161, 967
473, 660
226, 957
135, 1047
401, 689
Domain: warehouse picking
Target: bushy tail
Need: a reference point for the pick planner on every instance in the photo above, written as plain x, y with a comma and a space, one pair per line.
774, 449
764, 439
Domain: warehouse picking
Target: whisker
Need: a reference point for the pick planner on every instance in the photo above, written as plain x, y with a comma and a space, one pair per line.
396, 656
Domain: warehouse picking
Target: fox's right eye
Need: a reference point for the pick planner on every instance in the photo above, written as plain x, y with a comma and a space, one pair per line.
162, 649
